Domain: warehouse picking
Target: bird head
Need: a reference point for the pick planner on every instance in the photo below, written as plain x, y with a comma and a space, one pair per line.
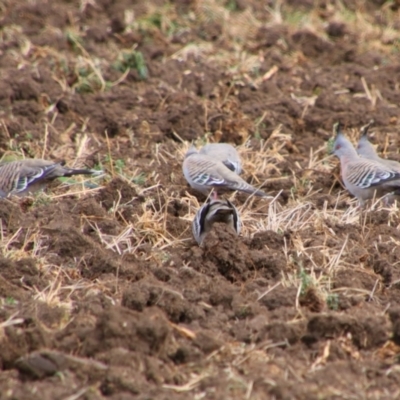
364, 146
341, 145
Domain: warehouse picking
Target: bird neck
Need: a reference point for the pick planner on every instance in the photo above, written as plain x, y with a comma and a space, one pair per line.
349, 155
372, 155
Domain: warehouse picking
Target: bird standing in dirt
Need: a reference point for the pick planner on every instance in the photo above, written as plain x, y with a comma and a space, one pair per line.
367, 150
225, 153
362, 177
204, 173
215, 210
29, 175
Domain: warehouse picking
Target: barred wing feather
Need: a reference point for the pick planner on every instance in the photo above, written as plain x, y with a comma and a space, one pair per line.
210, 179
28, 175
366, 173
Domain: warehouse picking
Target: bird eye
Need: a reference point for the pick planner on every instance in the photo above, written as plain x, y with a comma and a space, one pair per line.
338, 146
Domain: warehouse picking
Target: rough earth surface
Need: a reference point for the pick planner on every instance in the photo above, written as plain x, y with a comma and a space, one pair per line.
104, 294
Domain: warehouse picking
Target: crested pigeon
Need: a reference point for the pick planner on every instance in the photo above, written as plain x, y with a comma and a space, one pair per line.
29, 175
366, 149
225, 153
215, 210
362, 177
204, 173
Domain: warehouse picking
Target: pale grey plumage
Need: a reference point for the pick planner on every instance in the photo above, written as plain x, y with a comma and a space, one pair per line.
367, 150
362, 177
29, 175
215, 210
204, 173
191, 150
225, 153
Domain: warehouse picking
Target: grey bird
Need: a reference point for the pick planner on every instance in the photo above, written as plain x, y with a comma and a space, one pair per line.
29, 175
367, 150
215, 210
362, 177
225, 153
204, 173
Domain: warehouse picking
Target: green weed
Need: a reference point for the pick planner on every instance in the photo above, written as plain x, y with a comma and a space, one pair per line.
132, 60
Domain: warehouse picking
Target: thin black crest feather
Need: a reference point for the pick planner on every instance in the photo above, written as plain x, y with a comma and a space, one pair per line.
364, 129
337, 128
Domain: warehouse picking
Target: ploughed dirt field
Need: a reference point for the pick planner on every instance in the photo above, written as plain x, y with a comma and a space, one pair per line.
104, 294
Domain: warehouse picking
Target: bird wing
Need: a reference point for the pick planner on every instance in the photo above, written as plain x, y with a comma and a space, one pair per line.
369, 173
202, 215
232, 165
198, 223
32, 174
237, 222
211, 179
17, 176
203, 170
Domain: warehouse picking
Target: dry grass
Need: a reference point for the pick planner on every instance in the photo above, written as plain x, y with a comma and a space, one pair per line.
149, 225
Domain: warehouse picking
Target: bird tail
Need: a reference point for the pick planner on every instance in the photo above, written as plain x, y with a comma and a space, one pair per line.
257, 192
67, 172
70, 172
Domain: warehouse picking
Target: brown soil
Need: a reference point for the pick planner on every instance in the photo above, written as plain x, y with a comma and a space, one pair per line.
103, 292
